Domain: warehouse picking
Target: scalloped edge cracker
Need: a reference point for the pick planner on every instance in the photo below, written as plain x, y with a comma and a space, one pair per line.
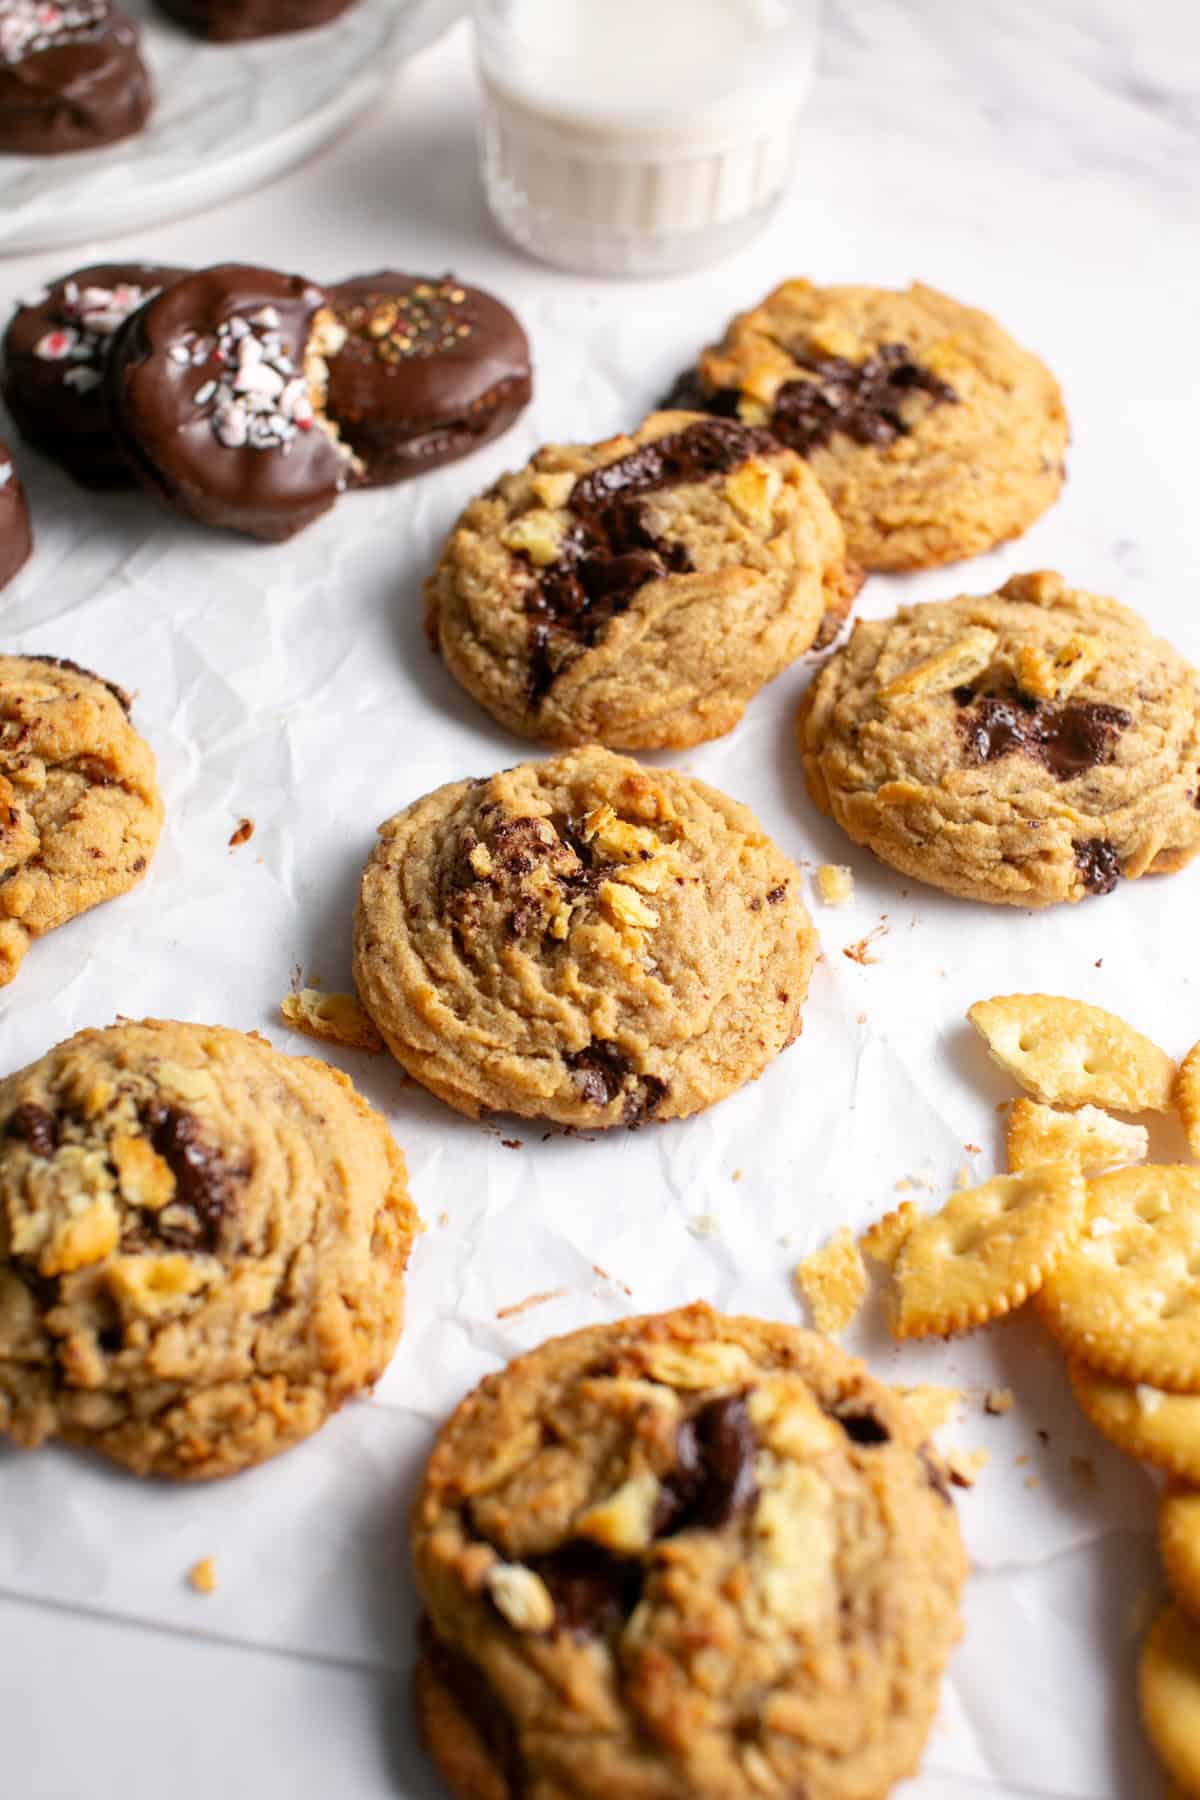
1187, 1097
833, 1280
1090, 1139
1179, 1542
1169, 1694
985, 1252
1145, 1422
1067, 1052
883, 1241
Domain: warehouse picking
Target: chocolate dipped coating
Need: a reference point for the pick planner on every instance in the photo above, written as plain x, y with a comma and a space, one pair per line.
16, 535
235, 21
227, 439
71, 77
430, 370
56, 349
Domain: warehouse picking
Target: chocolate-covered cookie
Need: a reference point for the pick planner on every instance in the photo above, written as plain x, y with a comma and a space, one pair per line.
430, 370
71, 77
233, 21
56, 350
217, 391
16, 537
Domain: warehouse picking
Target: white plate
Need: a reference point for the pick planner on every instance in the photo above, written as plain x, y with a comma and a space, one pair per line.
226, 117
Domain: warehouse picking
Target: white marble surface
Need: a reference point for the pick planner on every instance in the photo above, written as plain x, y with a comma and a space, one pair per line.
1037, 156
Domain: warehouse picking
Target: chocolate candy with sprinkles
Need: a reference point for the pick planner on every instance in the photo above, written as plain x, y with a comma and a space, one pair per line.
217, 390
16, 537
430, 370
56, 350
71, 76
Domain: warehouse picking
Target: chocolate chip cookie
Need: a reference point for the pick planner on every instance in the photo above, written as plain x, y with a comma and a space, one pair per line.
202, 1245
80, 810
429, 371
16, 533
1026, 747
686, 1557
56, 350
638, 592
582, 940
933, 433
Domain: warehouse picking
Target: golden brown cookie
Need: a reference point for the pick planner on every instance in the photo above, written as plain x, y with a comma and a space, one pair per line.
686, 1557
582, 940
80, 810
1024, 747
202, 1247
639, 592
933, 433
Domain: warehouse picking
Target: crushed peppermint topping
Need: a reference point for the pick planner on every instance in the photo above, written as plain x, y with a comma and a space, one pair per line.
259, 398
30, 26
93, 315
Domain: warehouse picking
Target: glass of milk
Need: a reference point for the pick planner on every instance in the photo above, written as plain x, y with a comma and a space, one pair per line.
640, 137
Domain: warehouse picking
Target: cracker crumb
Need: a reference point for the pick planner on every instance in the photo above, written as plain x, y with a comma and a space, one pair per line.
998, 1400
203, 1575
973, 1149
904, 1185
1022, 1461
1033, 1481
332, 1018
1084, 1470
703, 1225
443, 1218
737, 1175
530, 1301
966, 1466
861, 951
932, 1406
834, 1282
243, 834
835, 884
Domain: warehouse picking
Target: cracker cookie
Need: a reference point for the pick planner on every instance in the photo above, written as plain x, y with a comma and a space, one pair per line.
985, 1252
202, 1246
1169, 1691
1125, 1294
1142, 1420
1029, 746
690, 1557
933, 433
1072, 1053
1179, 1541
639, 592
80, 810
1089, 1139
582, 940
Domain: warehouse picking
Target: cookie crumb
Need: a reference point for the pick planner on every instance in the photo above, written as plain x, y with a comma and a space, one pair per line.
333, 1018
737, 1175
966, 1466
835, 884
861, 951
530, 1301
833, 1280
243, 834
998, 1400
512, 1143
203, 1575
932, 1406
703, 1225
443, 1218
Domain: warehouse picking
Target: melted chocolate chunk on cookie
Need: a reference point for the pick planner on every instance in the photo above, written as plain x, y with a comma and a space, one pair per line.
478, 1702
602, 1074
1069, 740
861, 401
689, 394
863, 1427
33, 1125
202, 1183
1099, 865
593, 1591
611, 552
713, 1478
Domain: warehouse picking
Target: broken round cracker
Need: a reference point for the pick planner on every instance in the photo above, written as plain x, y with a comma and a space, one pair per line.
1143, 1421
1065, 1052
986, 1251
884, 1240
1125, 1296
1088, 1139
1169, 1694
1187, 1097
1179, 1541
833, 1280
